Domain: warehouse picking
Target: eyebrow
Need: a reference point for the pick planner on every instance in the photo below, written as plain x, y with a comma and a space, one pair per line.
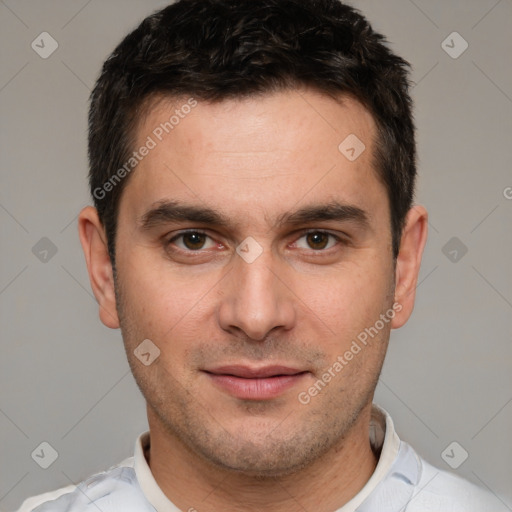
164, 212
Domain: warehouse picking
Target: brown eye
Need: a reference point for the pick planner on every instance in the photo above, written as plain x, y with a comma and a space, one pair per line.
192, 241
317, 240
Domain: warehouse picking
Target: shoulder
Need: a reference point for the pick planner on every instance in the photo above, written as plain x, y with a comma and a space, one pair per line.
438, 490
111, 490
31, 503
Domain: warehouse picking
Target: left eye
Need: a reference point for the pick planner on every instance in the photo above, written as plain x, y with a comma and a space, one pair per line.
192, 241
316, 240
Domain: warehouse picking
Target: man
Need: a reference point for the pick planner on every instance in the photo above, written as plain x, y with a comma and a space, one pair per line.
254, 237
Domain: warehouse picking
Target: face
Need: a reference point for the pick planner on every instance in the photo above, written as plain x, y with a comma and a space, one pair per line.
253, 253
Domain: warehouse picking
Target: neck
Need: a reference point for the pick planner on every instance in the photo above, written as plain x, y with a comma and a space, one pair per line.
192, 483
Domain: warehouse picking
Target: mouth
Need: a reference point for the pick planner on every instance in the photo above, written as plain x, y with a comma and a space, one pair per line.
248, 383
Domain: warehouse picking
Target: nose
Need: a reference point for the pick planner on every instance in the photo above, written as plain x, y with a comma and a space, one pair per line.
256, 298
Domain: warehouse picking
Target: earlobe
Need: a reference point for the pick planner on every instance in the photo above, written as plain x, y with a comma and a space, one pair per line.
412, 243
94, 244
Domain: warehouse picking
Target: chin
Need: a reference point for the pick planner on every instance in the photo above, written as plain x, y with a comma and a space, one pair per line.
263, 456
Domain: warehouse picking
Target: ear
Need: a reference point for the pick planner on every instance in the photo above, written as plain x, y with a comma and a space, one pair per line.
99, 266
412, 243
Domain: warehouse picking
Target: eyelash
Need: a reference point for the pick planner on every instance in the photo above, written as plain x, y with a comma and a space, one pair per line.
339, 240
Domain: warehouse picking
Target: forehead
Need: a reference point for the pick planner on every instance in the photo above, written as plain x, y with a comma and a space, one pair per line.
266, 152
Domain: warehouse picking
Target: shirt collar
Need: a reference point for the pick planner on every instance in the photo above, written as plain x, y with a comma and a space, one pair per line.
383, 439
147, 483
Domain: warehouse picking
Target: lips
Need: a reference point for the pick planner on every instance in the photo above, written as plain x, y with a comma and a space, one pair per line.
246, 372
250, 383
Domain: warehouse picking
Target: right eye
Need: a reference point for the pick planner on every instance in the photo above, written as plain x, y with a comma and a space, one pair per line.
191, 241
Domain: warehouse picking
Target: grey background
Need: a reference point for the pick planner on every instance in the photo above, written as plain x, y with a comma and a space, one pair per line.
63, 375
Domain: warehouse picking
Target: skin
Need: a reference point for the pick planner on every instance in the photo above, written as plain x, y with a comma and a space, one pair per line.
301, 303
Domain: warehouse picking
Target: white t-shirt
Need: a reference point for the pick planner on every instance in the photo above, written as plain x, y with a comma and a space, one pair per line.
401, 482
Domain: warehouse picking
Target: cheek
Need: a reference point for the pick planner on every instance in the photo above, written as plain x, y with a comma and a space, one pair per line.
145, 310
152, 290
349, 299
165, 306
